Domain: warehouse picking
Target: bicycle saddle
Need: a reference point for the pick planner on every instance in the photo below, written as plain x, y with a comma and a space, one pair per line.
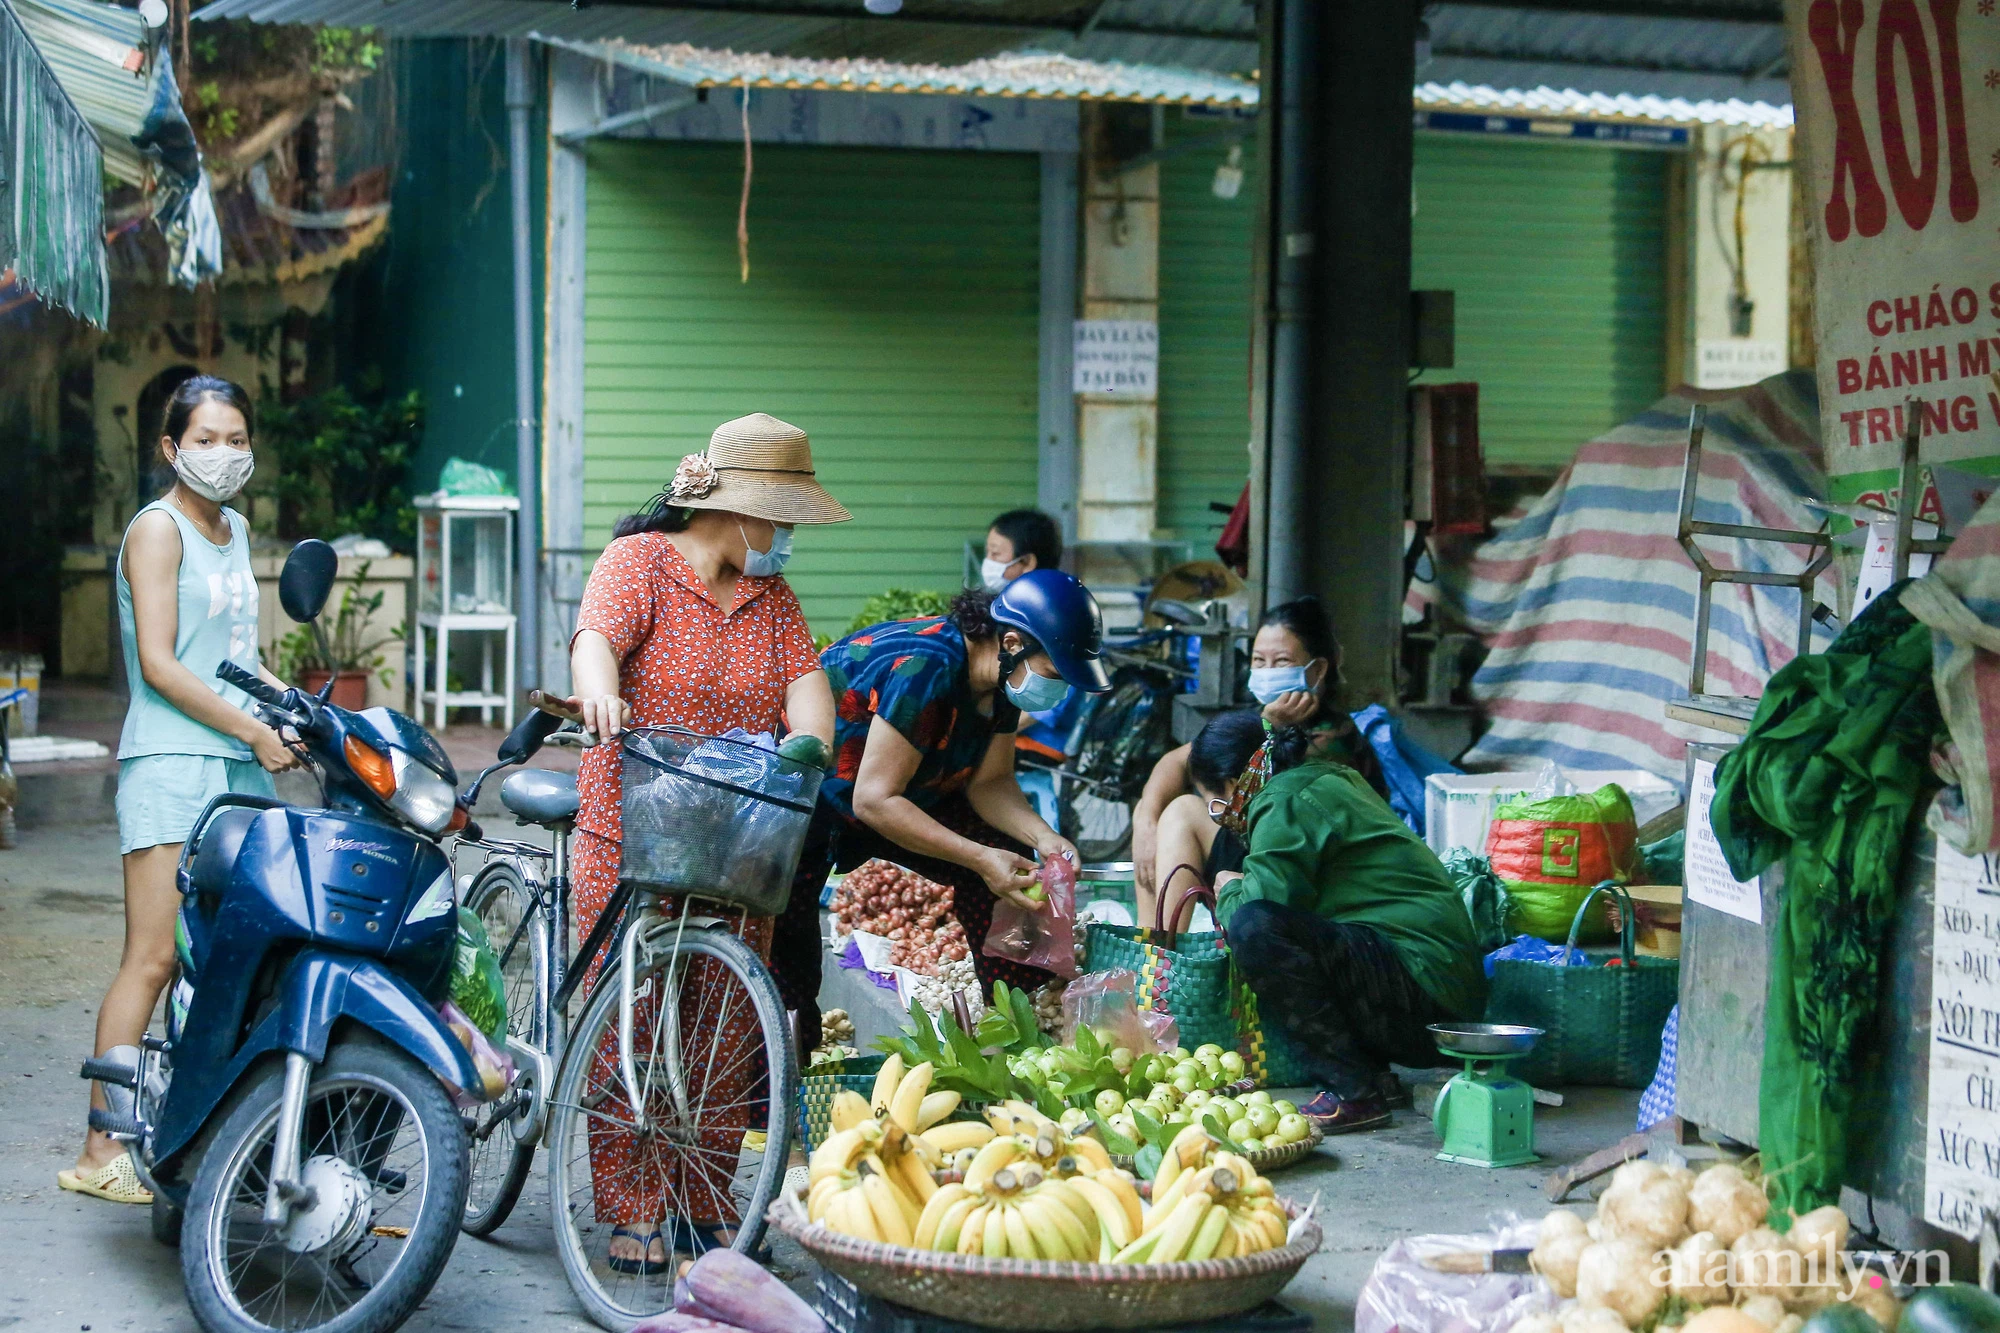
540, 796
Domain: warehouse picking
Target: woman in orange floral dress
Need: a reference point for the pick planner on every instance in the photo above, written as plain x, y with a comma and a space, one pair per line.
686, 622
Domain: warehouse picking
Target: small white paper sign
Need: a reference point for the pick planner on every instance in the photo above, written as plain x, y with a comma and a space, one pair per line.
1731, 363
1117, 357
1962, 1147
1706, 869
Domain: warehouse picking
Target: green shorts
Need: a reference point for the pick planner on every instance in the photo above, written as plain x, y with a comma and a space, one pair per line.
161, 795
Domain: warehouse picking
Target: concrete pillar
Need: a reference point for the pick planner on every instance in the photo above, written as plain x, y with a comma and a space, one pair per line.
1352, 519
1118, 437
1056, 477
573, 105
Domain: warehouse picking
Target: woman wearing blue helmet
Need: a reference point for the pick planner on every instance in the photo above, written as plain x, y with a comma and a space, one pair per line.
923, 759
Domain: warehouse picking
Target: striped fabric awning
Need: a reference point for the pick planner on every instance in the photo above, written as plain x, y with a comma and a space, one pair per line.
1587, 601
52, 212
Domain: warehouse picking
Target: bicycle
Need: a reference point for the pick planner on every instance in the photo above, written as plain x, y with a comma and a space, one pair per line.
622, 1074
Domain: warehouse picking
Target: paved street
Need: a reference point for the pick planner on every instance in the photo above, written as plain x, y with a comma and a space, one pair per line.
70, 1263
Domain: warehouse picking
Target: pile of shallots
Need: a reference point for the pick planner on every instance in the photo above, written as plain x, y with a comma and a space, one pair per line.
912, 912
1670, 1243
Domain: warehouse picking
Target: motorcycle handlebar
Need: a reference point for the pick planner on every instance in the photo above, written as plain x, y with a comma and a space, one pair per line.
251, 684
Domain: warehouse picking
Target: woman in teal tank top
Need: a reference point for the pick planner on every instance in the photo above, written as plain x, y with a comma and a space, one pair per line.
187, 602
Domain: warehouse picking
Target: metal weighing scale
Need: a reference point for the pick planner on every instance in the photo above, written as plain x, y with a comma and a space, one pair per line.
1485, 1116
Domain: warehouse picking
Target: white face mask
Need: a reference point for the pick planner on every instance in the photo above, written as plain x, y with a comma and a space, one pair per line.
993, 573
218, 473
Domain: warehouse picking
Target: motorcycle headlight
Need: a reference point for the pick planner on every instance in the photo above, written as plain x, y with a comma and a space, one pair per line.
421, 796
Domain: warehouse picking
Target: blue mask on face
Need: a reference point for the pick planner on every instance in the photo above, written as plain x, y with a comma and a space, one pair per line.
1267, 683
1037, 694
767, 564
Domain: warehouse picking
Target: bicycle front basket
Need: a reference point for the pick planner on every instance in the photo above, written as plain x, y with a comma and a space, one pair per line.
712, 817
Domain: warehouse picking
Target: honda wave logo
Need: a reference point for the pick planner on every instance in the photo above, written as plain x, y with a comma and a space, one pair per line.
374, 849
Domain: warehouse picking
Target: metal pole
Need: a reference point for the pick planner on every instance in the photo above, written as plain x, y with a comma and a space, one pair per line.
1289, 246
527, 477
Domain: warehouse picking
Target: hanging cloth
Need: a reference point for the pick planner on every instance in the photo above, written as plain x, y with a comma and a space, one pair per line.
1828, 779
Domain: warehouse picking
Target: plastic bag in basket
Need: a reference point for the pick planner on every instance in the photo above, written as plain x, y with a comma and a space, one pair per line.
1106, 1001
1404, 1296
1045, 938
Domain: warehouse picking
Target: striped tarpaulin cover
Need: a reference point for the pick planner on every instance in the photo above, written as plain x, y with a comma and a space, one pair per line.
1587, 601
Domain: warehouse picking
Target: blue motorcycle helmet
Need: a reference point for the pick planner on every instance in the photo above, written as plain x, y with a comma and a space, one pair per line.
1056, 611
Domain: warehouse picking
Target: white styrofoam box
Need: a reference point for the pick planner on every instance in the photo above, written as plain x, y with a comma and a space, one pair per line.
1459, 806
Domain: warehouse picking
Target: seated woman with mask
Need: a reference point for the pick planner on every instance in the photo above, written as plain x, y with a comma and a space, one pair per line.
1341, 921
1019, 542
1295, 676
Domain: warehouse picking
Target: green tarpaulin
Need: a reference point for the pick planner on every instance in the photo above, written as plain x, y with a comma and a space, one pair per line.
51, 183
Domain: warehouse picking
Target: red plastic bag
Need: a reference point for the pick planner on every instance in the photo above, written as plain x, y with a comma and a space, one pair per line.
1045, 938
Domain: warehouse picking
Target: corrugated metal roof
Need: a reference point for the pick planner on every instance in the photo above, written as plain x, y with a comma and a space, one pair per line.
1571, 104
1028, 74
52, 231
103, 55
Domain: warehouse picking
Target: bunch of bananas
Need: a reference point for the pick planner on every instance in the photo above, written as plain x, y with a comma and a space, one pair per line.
1208, 1203
1009, 1206
1027, 1189
1056, 1150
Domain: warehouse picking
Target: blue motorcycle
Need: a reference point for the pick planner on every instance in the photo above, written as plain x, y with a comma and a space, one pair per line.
297, 1122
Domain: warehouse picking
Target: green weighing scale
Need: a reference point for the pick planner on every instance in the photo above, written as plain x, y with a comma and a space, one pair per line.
1485, 1116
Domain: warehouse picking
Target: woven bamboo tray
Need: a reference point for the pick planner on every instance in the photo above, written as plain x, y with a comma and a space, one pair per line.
1045, 1296
1266, 1160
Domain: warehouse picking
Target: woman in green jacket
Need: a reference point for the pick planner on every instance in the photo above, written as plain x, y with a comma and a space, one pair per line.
1342, 921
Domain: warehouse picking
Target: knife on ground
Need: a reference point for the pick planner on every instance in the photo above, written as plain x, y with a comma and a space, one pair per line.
1478, 1261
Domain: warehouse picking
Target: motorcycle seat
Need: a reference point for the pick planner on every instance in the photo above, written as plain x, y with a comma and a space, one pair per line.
221, 840
538, 796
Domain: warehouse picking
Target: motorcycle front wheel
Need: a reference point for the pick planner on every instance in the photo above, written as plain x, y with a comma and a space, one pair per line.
383, 1155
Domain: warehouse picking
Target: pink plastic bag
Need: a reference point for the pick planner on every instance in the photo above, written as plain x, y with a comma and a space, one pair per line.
1044, 938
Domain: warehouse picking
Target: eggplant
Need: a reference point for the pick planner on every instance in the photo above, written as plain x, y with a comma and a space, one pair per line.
735, 1289
1951, 1307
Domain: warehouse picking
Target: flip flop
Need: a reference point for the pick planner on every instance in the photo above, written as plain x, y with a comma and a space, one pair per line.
644, 1265
686, 1233
117, 1181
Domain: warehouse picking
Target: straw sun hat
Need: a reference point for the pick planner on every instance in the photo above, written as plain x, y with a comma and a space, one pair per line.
760, 466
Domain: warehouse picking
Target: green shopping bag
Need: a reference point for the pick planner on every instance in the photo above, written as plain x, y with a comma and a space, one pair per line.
1190, 976
1602, 1023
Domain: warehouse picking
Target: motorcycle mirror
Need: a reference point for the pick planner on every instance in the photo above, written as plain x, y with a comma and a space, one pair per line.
307, 580
527, 736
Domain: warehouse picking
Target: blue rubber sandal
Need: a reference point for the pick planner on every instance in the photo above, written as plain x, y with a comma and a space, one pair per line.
644, 1265
709, 1236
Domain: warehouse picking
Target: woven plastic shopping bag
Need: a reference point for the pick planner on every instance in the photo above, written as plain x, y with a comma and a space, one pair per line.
1602, 1024
1190, 976
821, 1083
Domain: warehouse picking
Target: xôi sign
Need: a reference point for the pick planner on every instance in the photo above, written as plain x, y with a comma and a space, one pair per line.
1899, 129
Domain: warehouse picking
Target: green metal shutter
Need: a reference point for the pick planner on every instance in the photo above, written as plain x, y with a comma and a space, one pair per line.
891, 312
1205, 304
1558, 256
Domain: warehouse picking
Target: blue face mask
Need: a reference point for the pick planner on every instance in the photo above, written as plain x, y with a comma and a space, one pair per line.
1037, 694
767, 564
1267, 683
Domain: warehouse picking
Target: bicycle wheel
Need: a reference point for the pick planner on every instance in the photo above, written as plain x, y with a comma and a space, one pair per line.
1100, 828
714, 1062
500, 1164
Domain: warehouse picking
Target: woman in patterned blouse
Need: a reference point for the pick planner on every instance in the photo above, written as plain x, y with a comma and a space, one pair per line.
686, 622
923, 764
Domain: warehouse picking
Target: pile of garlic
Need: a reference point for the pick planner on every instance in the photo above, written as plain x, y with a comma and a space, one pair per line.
1665, 1232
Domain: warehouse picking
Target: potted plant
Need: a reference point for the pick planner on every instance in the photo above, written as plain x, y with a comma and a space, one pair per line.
350, 654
